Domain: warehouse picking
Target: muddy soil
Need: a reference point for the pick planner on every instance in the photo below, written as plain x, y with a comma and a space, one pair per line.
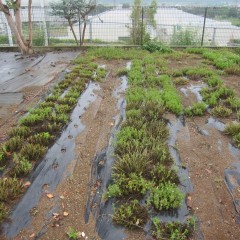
204, 150
71, 194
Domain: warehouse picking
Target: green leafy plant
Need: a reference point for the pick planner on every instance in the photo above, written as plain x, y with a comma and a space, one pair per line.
166, 196
130, 215
198, 109
72, 234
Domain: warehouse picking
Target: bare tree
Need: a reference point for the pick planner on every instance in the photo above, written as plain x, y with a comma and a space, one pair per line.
71, 10
15, 23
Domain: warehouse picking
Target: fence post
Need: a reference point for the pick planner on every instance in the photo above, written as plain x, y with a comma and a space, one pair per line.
204, 24
142, 27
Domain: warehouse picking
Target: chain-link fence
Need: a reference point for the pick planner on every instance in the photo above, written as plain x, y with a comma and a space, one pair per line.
174, 26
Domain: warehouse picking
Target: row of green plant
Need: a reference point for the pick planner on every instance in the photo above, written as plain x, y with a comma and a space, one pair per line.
144, 168
222, 59
28, 142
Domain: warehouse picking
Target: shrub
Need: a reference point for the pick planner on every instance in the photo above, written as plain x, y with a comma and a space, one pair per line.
166, 196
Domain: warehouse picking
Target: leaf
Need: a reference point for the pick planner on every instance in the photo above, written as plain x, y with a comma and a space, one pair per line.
49, 195
65, 214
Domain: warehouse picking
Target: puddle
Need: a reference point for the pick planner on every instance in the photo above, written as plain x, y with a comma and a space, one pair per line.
214, 123
11, 98
195, 89
53, 167
120, 90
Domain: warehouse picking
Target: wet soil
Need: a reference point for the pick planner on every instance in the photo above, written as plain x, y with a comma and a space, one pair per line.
205, 152
207, 157
71, 194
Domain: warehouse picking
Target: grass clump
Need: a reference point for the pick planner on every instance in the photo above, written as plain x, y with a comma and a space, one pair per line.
221, 111
10, 188
33, 152
180, 81
122, 72
198, 109
21, 166
166, 196
13, 144
232, 129
131, 215
22, 132
172, 230
43, 138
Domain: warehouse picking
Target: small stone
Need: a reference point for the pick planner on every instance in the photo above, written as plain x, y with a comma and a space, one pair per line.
83, 234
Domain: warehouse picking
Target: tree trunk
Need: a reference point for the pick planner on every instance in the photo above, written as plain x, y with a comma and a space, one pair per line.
71, 26
18, 22
23, 48
83, 33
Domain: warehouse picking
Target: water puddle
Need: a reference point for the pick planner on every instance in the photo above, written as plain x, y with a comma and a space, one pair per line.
49, 173
214, 123
195, 89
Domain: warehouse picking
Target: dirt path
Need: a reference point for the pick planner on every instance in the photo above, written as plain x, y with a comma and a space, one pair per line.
206, 157
70, 196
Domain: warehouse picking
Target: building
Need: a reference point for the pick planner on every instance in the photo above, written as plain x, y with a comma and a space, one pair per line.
114, 26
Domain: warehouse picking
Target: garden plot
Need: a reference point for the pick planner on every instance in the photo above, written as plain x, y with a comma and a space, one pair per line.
151, 151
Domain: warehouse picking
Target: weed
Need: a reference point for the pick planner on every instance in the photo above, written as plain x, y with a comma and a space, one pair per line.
33, 152
32, 120
72, 234
59, 118
214, 81
180, 81
234, 70
233, 102
52, 128
114, 190
236, 139
198, 109
21, 166
71, 101
10, 188
232, 128
62, 108
3, 157
166, 196
43, 139
53, 98
221, 111
13, 144
131, 215
20, 131
122, 72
